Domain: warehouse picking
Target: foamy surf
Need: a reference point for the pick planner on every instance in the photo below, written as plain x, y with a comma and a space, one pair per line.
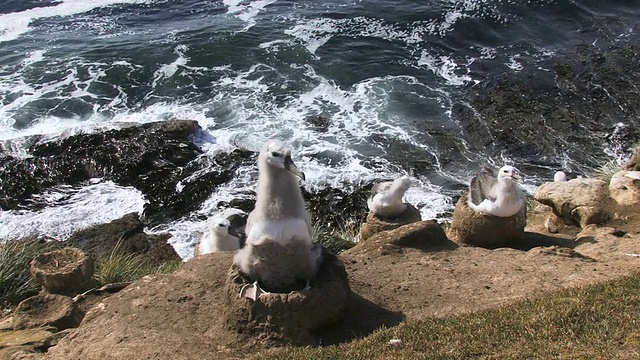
13, 25
72, 209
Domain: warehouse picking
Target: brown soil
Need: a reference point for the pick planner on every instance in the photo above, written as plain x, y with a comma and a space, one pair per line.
179, 316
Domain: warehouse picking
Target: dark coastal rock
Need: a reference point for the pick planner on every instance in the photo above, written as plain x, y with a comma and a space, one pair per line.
335, 207
278, 319
47, 310
63, 271
127, 233
318, 122
159, 159
553, 115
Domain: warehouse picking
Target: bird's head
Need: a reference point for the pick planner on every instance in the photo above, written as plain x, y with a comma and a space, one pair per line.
277, 154
509, 172
222, 227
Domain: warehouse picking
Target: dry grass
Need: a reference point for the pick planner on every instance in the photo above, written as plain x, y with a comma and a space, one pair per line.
596, 322
606, 171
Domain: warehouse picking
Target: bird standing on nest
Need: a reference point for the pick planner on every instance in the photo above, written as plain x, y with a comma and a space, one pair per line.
279, 253
499, 196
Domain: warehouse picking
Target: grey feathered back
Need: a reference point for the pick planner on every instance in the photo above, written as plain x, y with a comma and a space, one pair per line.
481, 185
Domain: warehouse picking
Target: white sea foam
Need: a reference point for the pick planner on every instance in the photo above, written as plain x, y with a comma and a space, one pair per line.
247, 11
73, 209
513, 63
12, 25
446, 68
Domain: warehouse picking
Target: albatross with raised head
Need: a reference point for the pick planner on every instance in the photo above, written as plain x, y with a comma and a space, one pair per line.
386, 197
498, 196
222, 236
279, 252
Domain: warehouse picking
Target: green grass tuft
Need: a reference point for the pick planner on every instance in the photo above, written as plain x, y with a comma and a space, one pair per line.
16, 283
122, 267
594, 322
336, 240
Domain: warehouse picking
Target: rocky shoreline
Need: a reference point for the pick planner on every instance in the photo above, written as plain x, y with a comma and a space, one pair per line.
575, 247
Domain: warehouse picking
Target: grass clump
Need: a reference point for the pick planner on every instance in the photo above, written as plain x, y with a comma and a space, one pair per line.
338, 239
606, 171
16, 283
126, 267
595, 322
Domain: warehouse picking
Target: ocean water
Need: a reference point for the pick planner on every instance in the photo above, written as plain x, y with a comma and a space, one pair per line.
386, 74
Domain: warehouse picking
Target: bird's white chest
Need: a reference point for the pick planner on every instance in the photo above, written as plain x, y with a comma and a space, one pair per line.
283, 231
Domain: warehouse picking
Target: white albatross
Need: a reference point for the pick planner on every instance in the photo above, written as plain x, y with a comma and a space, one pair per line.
220, 237
279, 252
386, 197
499, 196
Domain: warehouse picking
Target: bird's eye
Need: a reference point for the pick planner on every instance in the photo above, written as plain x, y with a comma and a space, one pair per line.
275, 154
221, 225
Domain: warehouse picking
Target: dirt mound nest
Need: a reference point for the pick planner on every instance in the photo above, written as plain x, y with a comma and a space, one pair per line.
287, 318
472, 228
375, 224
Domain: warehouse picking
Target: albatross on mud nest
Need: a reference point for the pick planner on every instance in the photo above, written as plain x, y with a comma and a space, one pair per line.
279, 253
499, 196
386, 197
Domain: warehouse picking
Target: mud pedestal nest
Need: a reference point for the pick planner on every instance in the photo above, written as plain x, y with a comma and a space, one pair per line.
63, 271
375, 224
290, 318
472, 228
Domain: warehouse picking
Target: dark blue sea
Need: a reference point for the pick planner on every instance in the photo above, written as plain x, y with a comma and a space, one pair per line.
387, 76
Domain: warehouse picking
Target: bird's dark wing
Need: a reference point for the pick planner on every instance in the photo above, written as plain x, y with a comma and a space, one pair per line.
483, 186
237, 220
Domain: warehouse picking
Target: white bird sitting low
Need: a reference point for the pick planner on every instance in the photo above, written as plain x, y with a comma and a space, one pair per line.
279, 252
499, 196
386, 197
220, 237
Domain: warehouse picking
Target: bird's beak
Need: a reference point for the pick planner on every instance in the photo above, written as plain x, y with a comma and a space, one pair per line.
232, 231
516, 177
289, 165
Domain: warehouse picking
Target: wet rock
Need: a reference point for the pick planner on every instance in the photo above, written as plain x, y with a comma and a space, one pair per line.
469, 227
335, 207
578, 201
318, 122
160, 159
278, 319
63, 271
375, 224
624, 187
44, 309
127, 233
551, 98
